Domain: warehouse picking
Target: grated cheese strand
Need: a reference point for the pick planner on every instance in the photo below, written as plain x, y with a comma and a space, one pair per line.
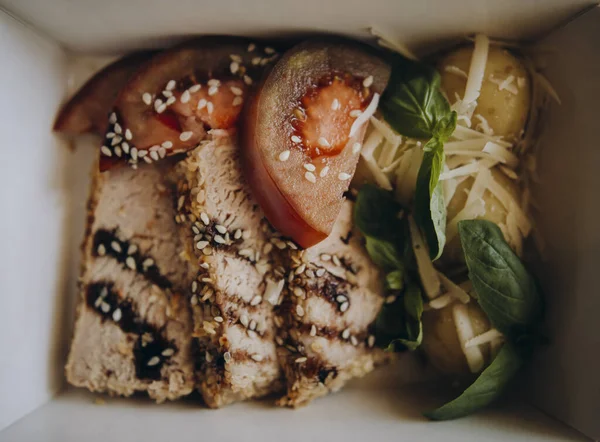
454, 290
484, 338
366, 115
429, 276
472, 211
479, 185
367, 154
466, 170
387, 41
477, 69
464, 330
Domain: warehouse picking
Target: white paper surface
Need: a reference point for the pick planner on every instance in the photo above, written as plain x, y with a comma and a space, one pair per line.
34, 204
115, 25
42, 230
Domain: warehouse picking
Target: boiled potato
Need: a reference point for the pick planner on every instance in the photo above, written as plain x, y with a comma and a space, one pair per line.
440, 339
505, 111
494, 211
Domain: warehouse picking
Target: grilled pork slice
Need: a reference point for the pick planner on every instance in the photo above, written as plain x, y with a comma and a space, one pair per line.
133, 330
333, 295
239, 282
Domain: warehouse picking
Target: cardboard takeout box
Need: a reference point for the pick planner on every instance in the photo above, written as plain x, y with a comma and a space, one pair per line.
48, 47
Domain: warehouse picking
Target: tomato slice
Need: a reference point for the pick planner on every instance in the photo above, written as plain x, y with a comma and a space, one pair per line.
299, 155
87, 110
179, 96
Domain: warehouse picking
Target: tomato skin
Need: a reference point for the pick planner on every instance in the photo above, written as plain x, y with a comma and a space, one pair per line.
174, 99
276, 207
301, 188
87, 110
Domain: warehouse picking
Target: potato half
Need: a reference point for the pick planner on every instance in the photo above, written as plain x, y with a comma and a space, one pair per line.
440, 338
504, 107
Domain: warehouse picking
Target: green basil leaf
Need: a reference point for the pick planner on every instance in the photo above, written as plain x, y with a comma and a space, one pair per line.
399, 323
390, 324
413, 306
395, 279
445, 127
384, 254
376, 213
506, 291
430, 209
490, 384
413, 302
412, 102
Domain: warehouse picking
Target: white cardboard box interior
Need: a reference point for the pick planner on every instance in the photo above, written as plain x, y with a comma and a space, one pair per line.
44, 186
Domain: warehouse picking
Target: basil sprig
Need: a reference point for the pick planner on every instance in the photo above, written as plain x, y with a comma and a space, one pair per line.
398, 325
506, 291
490, 385
509, 296
415, 107
412, 102
377, 215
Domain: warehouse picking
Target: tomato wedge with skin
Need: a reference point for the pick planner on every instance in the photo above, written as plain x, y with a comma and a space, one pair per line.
298, 151
174, 100
87, 110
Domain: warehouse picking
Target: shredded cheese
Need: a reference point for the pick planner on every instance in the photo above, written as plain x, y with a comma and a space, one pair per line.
366, 115
467, 286
466, 170
441, 301
501, 154
367, 154
484, 338
449, 190
407, 174
495, 347
463, 120
456, 70
454, 290
387, 41
543, 81
511, 205
474, 144
483, 125
464, 133
477, 69
509, 172
464, 330
506, 84
472, 211
514, 235
479, 186
385, 129
392, 166
429, 276
454, 161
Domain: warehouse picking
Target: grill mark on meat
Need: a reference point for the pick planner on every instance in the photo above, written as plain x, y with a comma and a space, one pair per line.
346, 239
106, 239
330, 287
133, 205
151, 350
225, 231
334, 293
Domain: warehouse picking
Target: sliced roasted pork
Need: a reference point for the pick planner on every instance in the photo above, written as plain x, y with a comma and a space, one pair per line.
133, 330
334, 293
239, 283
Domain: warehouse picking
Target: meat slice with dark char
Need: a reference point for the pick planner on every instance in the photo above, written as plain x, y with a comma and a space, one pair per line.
334, 293
239, 282
133, 328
